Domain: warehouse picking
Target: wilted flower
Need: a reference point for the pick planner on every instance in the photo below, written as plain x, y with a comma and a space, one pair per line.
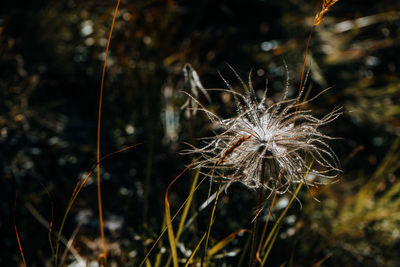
268, 146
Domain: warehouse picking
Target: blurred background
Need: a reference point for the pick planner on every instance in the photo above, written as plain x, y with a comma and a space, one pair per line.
51, 55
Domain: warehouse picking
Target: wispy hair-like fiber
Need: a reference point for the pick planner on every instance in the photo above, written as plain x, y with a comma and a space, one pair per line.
282, 138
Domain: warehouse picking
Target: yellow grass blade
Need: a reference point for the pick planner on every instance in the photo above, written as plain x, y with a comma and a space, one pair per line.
185, 212
176, 213
275, 230
180, 208
211, 222
223, 243
271, 245
187, 206
171, 236
272, 235
369, 189
387, 197
265, 227
195, 250
168, 222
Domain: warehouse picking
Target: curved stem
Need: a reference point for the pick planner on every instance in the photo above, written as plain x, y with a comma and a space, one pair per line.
98, 139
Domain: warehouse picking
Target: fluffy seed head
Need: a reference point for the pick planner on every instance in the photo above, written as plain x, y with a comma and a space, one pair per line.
277, 141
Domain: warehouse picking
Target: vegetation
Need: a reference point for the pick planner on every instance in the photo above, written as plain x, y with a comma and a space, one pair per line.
153, 200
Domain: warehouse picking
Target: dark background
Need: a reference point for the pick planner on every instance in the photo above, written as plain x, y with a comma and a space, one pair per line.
51, 55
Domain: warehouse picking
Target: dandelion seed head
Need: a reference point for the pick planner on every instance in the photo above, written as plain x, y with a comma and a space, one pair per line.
277, 141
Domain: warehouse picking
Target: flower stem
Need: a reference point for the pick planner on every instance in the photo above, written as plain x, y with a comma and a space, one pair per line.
255, 238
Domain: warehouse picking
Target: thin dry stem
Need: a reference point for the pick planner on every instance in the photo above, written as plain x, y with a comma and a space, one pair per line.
326, 5
98, 138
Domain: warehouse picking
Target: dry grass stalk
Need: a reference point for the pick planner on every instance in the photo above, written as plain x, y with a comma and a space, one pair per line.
326, 4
